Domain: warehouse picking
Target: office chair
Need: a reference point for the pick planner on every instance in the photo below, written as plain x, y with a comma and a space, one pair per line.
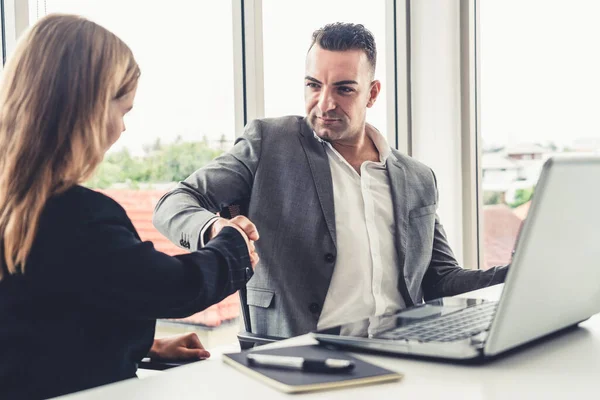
248, 339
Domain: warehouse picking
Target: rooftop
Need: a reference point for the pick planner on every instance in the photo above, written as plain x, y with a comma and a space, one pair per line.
500, 229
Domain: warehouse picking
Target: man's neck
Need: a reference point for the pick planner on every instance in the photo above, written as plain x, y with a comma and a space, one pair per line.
357, 152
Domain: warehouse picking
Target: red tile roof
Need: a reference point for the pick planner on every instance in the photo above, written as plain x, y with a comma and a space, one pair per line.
500, 229
522, 210
139, 205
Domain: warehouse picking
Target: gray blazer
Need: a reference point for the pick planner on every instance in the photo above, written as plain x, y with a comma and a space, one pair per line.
280, 175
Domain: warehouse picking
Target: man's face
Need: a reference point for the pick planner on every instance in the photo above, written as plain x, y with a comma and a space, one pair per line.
338, 90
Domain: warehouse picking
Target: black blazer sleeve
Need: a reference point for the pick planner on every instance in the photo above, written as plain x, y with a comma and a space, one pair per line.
445, 277
107, 266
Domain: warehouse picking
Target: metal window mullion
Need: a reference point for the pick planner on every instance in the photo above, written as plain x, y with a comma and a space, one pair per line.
253, 60
398, 74
470, 143
16, 21
239, 101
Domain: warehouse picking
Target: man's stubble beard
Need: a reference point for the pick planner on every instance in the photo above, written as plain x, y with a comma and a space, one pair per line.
333, 134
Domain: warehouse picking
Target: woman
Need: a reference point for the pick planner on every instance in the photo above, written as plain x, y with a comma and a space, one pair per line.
79, 291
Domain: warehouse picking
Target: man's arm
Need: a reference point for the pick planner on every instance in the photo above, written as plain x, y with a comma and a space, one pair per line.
186, 211
445, 277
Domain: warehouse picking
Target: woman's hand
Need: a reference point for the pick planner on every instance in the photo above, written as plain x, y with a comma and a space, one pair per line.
183, 347
246, 228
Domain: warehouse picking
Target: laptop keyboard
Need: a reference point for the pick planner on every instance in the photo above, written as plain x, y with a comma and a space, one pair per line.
449, 328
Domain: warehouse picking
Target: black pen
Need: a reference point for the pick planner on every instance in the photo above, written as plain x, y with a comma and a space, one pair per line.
328, 365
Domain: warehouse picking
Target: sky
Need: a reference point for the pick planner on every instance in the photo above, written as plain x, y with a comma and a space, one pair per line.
186, 59
539, 64
288, 27
540, 70
185, 52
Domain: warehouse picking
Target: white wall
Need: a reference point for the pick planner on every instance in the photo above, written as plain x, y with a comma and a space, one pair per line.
436, 102
16, 20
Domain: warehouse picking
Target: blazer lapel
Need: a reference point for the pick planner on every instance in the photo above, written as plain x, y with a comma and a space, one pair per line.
399, 191
319, 167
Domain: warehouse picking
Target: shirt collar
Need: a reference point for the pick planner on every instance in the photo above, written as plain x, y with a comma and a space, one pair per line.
378, 140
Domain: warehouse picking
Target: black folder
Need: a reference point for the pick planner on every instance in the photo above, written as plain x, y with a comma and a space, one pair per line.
292, 381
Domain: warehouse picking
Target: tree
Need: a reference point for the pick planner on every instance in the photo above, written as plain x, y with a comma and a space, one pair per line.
490, 198
150, 148
106, 174
223, 142
522, 196
177, 161
161, 163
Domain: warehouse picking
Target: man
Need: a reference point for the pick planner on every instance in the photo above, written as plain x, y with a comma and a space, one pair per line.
348, 225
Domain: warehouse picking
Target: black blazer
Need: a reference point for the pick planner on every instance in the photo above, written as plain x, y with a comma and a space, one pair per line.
84, 312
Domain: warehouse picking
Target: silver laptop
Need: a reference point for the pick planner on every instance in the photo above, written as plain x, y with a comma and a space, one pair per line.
553, 282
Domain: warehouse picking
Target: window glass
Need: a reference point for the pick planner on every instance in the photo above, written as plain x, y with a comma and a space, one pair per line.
287, 35
184, 109
539, 97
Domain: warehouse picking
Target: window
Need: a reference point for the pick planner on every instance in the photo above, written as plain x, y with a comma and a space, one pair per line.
538, 97
185, 51
287, 35
184, 108
190, 99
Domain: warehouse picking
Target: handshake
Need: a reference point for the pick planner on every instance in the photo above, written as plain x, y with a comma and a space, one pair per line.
246, 228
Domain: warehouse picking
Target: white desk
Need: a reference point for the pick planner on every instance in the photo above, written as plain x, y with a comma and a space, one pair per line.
567, 366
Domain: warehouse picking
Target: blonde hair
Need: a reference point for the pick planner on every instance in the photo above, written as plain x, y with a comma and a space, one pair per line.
54, 101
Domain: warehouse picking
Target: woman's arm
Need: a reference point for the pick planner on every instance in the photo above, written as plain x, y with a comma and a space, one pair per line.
107, 266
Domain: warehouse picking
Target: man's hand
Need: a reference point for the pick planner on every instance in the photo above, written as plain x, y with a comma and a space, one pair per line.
182, 347
245, 227
240, 222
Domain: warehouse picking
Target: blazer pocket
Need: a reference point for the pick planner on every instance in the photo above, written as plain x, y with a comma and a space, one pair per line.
260, 297
422, 211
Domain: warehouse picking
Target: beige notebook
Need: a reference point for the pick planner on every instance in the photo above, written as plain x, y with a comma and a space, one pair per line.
293, 381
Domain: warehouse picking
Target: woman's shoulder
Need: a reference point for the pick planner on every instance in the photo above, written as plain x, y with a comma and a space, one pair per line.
83, 204
68, 221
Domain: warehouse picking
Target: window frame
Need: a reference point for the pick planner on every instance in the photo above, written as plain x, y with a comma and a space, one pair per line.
396, 49
248, 59
471, 133
443, 49
15, 20
248, 68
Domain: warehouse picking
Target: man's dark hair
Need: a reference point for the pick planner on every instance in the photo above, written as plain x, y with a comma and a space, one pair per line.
342, 36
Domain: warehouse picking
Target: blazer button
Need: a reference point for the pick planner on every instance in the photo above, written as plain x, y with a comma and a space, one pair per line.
249, 273
329, 258
314, 308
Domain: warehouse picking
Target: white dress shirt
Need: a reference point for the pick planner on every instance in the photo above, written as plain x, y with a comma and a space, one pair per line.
365, 276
